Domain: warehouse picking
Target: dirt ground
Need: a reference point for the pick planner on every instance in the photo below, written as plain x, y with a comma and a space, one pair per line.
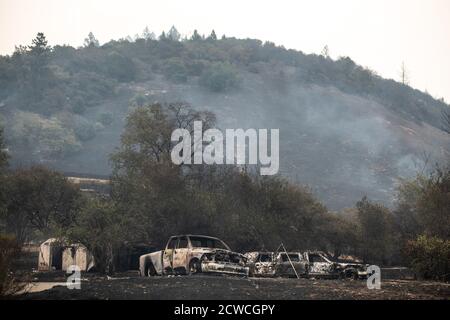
130, 286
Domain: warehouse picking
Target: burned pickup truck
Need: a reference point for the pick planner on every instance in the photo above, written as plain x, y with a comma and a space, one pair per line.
190, 254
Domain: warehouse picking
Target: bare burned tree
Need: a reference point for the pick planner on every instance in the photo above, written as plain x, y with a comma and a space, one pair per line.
404, 76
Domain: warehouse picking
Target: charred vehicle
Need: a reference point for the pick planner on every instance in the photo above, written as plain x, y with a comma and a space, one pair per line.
190, 254
261, 264
280, 264
291, 264
322, 265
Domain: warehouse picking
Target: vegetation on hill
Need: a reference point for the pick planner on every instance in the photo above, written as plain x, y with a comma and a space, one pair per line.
47, 92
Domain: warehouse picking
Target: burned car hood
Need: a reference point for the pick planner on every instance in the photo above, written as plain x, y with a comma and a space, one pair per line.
224, 255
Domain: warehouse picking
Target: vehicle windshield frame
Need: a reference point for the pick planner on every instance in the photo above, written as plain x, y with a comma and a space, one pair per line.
293, 257
322, 256
223, 246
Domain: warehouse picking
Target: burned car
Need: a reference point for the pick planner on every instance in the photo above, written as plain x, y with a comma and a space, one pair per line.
280, 264
190, 254
291, 264
322, 265
261, 264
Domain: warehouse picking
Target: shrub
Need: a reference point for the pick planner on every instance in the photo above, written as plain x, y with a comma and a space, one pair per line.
105, 119
120, 67
220, 77
100, 229
175, 70
429, 257
9, 251
42, 137
83, 129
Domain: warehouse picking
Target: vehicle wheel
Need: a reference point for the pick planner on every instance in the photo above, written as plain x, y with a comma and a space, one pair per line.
195, 266
150, 270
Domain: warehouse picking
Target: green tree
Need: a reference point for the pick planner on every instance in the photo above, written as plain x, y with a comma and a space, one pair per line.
100, 228
173, 34
163, 36
423, 205
375, 223
120, 67
34, 75
91, 41
146, 184
40, 47
213, 36
175, 70
429, 257
195, 36
40, 200
220, 77
147, 34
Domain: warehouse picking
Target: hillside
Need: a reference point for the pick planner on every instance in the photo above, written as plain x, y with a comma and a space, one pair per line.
344, 131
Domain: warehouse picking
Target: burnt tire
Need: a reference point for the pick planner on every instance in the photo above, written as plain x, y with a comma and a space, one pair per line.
150, 270
195, 267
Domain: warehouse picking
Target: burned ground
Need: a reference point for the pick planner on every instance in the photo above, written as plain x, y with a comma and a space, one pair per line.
130, 286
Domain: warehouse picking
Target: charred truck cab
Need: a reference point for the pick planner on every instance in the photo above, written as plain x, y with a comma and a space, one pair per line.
190, 254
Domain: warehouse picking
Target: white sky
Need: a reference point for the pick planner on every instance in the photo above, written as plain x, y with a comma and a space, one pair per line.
379, 34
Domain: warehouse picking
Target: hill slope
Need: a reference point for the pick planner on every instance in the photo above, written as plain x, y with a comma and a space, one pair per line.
344, 131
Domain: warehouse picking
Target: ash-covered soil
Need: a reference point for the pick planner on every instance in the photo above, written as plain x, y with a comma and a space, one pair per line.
131, 286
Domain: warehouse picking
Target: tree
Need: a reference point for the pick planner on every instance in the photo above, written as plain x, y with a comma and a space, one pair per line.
375, 231
404, 74
325, 52
195, 36
429, 257
44, 138
173, 34
100, 228
147, 34
120, 67
213, 36
91, 41
147, 186
35, 76
175, 70
340, 232
220, 77
10, 284
39, 45
39, 200
424, 200
163, 36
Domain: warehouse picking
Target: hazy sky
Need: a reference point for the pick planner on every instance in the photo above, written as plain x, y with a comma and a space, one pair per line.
379, 34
